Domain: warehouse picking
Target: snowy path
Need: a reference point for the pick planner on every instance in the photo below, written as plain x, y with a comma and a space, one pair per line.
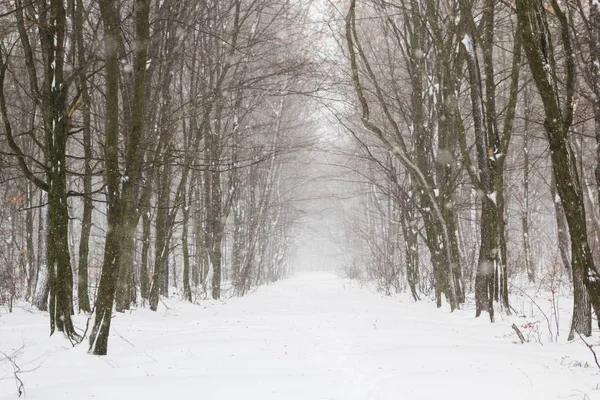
310, 337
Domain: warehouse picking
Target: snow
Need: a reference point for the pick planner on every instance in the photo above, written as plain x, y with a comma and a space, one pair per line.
468, 43
314, 336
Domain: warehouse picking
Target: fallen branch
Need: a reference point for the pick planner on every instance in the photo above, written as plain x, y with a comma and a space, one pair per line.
519, 334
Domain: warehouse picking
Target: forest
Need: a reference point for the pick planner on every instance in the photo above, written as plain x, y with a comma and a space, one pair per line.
189, 150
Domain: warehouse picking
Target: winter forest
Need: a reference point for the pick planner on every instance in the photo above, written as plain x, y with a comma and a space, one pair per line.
300, 199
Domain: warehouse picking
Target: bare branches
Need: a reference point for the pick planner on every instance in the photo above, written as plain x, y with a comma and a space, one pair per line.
9, 135
12, 359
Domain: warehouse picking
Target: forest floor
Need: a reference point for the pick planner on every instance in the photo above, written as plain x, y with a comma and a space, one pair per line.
314, 336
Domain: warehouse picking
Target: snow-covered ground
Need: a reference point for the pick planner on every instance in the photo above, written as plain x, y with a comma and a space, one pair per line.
314, 336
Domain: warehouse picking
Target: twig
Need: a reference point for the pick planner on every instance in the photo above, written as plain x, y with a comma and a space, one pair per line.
589, 346
16, 371
121, 336
87, 325
164, 304
539, 308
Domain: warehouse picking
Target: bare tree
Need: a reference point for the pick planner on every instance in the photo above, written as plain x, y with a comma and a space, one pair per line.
539, 45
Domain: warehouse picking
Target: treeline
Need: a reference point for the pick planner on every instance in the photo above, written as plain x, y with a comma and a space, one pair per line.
478, 134
145, 146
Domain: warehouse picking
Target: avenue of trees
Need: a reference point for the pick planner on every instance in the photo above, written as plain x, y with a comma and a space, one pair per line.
144, 147
150, 148
477, 128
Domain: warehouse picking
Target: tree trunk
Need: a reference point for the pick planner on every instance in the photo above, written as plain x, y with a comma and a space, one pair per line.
125, 289
562, 230
57, 133
214, 226
160, 277
122, 199
40, 300
529, 267
33, 266
187, 292
201, 264
86, 222
59, 260
115, 211
409, 228
144, 272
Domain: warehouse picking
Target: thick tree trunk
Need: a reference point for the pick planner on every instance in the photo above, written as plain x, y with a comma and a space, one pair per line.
489, 260
125, 289
585, 275
562, 230
581, 323
59, 260
108, 283
57, 131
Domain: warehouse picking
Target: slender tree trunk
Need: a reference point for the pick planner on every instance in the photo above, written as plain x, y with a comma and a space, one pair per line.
214, 224
187, 292
41, 299
125, 289
144, 272
86, 223
529, 267
32, 265
201, 264
160, 277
